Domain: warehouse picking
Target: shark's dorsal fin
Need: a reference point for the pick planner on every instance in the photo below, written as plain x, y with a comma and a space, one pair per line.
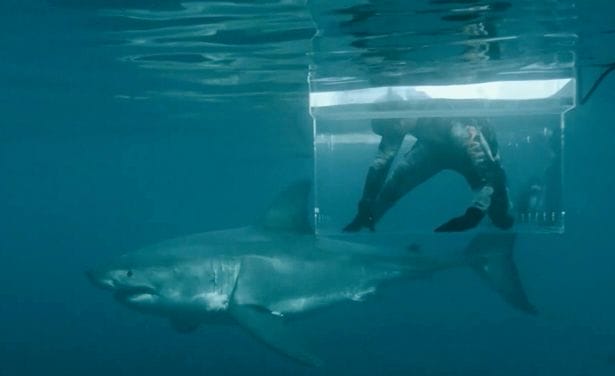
289, 211
491, 256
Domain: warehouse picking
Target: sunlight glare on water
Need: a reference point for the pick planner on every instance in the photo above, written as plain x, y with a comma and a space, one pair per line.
227, 50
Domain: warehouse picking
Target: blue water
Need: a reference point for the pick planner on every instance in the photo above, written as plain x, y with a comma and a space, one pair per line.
94, 162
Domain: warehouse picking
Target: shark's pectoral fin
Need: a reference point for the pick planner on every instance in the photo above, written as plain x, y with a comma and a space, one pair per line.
274, 332
184, 326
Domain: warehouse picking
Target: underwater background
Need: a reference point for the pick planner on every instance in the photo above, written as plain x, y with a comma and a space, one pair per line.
100, 155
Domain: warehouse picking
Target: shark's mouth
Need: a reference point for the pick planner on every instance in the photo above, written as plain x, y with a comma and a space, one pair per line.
134, 293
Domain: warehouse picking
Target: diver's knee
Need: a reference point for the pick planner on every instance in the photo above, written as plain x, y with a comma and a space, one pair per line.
382, 160
482, 199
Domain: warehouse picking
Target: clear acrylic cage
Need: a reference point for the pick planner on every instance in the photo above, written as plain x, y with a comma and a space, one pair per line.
528, 117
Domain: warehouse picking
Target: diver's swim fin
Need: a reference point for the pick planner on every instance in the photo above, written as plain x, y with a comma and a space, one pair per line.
470, 219
355, 226
363, 219
358, 224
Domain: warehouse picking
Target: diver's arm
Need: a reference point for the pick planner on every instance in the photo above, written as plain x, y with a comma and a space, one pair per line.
489, 136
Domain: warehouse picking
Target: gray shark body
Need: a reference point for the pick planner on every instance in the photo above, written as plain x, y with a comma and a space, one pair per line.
259, 276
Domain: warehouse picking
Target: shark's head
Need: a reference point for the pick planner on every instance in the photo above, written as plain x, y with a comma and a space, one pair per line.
194, 289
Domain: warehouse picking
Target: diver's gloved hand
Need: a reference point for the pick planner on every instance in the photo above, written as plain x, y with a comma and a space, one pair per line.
364, 218
470, 219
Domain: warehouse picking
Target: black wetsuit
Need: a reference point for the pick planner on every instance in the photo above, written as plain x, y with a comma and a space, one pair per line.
465, 145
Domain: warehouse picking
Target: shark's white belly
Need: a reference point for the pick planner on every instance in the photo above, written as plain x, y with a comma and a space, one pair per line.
290, 285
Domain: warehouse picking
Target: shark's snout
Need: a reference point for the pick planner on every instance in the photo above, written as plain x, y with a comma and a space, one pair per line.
123, 285
98, 279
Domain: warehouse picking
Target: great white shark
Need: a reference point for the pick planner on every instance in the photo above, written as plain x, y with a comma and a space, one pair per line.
260, 276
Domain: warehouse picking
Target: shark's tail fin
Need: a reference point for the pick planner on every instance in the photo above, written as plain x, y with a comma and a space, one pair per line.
491, 256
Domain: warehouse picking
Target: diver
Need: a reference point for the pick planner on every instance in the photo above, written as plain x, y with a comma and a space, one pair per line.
465, 145
541, 199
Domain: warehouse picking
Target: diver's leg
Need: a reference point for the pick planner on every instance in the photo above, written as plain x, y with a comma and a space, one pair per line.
485, 175
499, 210
376, 176
418, 165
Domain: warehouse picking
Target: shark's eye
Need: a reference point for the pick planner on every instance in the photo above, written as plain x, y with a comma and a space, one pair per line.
129, 273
